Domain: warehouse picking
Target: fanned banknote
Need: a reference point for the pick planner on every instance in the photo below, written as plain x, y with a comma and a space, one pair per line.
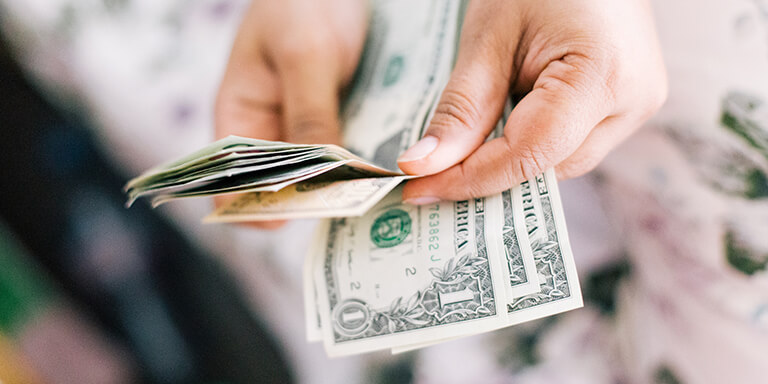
239, 164
408, 57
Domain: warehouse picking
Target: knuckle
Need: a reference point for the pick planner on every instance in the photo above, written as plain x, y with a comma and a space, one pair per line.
604, 72
594, 74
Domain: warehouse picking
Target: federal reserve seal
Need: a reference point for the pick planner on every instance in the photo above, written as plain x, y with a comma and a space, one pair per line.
391, 228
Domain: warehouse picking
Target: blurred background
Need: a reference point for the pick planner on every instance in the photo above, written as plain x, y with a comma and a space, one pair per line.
92, 93
93, 292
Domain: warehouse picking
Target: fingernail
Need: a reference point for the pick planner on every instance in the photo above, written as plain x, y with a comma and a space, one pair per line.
420, 150
423, 200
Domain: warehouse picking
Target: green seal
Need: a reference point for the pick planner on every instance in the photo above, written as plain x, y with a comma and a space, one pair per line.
391, 228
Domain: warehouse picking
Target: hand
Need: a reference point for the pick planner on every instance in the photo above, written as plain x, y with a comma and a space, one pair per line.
591, 72
289, 61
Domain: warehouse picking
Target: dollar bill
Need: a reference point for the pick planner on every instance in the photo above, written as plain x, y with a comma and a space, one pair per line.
537, 202
312, 320
238, 164
332, 311
520, 263
212, 154
407, 59
545, 224
342, 198
405, 274
518, 258
408, 55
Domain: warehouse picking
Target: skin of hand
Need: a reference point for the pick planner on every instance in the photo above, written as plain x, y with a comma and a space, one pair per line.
589, 72
288, 64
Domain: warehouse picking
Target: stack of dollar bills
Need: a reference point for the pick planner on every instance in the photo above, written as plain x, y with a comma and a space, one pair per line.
296, 180
381, 274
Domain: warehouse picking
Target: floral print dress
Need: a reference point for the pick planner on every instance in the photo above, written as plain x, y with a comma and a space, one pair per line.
678, 294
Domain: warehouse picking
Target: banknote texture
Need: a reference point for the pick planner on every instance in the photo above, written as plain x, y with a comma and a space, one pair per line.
403, 273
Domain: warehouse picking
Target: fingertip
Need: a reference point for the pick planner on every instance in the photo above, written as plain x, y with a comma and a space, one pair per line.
413, 168
415, 161
432, 155
420, 150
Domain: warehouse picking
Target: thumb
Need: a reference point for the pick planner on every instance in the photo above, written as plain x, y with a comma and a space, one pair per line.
471, 102
545, 128
467, 112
